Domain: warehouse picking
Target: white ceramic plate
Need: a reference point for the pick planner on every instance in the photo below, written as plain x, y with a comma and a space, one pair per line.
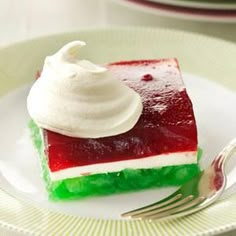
23, 202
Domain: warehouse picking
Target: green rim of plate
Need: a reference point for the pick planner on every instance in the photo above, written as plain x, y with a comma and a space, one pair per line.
200, 55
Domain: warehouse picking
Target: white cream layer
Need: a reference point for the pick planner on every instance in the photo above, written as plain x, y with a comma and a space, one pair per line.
178, 158
80, 99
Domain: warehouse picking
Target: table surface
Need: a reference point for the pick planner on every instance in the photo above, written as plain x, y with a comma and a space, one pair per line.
26, 19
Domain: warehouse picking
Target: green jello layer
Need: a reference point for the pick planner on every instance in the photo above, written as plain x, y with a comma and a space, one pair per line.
110, 183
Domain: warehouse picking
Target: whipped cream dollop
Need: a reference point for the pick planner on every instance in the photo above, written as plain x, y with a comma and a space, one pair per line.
80, 99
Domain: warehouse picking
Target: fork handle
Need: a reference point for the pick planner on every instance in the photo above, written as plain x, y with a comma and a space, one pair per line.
226, 154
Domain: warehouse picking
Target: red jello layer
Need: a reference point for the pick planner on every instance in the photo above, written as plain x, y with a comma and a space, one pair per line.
167, 124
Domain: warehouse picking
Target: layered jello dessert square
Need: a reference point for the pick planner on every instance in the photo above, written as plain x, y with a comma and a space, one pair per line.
161, 148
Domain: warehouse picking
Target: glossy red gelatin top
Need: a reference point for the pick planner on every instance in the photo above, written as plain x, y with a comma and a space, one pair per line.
166, 125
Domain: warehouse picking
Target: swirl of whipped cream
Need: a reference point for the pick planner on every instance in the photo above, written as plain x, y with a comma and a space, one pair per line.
80, 99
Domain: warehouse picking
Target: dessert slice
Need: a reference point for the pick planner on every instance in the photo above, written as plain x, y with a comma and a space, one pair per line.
159, 150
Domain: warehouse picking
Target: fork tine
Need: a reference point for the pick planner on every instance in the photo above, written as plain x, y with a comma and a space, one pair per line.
166, 208
172, 198
177, 210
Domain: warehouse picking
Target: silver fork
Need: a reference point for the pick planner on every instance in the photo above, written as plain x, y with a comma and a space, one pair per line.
198, 193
